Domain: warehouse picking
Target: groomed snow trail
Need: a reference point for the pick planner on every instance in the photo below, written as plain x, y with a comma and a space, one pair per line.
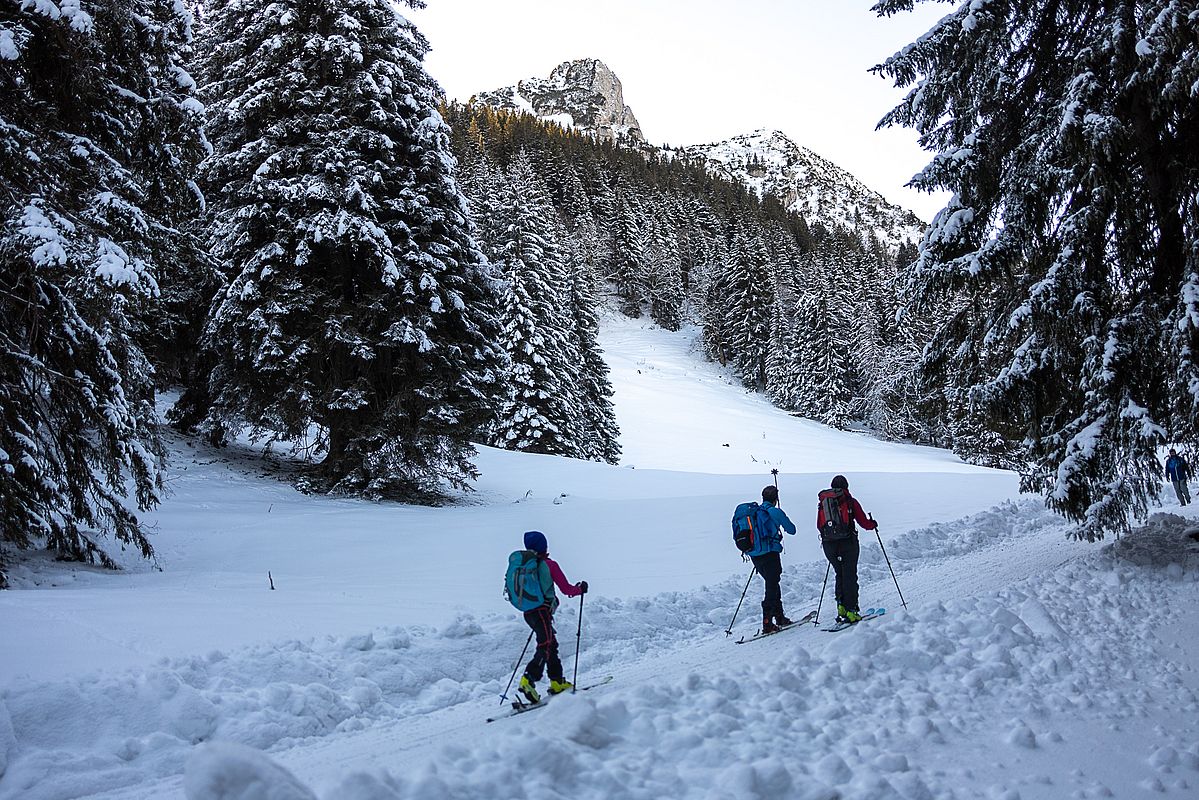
994, 678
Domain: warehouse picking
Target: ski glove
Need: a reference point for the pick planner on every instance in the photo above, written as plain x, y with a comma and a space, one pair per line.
582, 586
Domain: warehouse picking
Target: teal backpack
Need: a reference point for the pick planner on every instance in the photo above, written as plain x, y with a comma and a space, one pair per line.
522, 583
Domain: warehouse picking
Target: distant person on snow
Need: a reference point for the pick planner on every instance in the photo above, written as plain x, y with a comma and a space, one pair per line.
530, 582
837, 511
767, 560
1178, 472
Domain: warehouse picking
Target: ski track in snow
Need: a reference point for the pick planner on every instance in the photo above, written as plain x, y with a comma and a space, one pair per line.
1027, 665
996, 679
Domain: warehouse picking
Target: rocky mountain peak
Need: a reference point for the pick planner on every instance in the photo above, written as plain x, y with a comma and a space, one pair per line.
583, 94
770, 162
587, 96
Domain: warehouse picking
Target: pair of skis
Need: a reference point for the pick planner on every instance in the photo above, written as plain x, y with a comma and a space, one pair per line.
804, 620
871, 613
521, 706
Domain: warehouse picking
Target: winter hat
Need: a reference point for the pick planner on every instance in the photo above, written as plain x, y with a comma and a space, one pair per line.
839, 482
771, 494
535, 541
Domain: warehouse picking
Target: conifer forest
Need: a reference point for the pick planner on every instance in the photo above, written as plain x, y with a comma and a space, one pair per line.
269, 213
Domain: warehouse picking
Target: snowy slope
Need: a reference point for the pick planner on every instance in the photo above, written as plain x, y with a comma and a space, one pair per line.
1027, 665
769, 162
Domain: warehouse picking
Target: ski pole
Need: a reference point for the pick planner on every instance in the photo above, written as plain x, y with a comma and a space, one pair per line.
504, 696
729, 632
880, 544
823, 586
578, 641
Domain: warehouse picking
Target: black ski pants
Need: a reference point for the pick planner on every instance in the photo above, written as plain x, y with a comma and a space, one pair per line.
770, 567
843, 555
541, 620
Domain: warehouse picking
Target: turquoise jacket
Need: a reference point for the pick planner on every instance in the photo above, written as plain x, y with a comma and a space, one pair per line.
549, 573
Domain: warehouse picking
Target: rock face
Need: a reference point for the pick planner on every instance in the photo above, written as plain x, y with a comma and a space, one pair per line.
581, 94
586, 95
771, 163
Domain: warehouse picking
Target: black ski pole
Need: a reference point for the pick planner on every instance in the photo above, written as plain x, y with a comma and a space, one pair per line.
774, 473
729, 632
504, 696
823, 586
578, 641
880, 544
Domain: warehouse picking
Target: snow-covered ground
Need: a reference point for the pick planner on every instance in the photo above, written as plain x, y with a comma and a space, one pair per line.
1026, 666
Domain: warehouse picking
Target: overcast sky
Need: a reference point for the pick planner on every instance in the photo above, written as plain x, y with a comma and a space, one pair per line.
697, 71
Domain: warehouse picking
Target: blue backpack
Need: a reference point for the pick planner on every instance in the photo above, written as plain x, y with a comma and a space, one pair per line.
752, 527
522, 583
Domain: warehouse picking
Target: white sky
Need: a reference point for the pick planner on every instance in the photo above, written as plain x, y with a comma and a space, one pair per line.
697, 71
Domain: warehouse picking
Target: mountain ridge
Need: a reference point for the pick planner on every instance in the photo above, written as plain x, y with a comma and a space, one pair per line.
586, 95
583, 94
770, 162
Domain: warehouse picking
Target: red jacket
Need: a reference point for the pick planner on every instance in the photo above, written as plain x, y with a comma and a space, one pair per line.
859, 516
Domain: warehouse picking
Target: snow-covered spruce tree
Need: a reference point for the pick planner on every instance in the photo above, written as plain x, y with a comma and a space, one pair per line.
97, 132
823, 371
750, 304
782, 365
1066, 132
699, 249
664, 278
542, 413
358, 301
167, 147
629, 260
600, 432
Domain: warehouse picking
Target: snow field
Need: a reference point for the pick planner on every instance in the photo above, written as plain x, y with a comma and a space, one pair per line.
802, 714
113, 729
679, 412
1028, 667
881, 711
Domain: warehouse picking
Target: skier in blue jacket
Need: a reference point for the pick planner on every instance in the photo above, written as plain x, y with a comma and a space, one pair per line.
765, 556
1178, 472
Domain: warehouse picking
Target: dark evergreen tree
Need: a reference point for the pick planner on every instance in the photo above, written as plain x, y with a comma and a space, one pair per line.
599, 432
1065, 131
98, 131
358, 301
719, 343
750, 306
541, 414
629, 260
664, 271
166, 148
783, 366
823, 368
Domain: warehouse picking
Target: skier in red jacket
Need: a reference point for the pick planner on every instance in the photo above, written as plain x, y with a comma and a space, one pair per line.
836, 514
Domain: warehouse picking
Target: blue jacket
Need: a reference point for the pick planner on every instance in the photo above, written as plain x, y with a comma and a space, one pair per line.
773, 541
1177, 468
